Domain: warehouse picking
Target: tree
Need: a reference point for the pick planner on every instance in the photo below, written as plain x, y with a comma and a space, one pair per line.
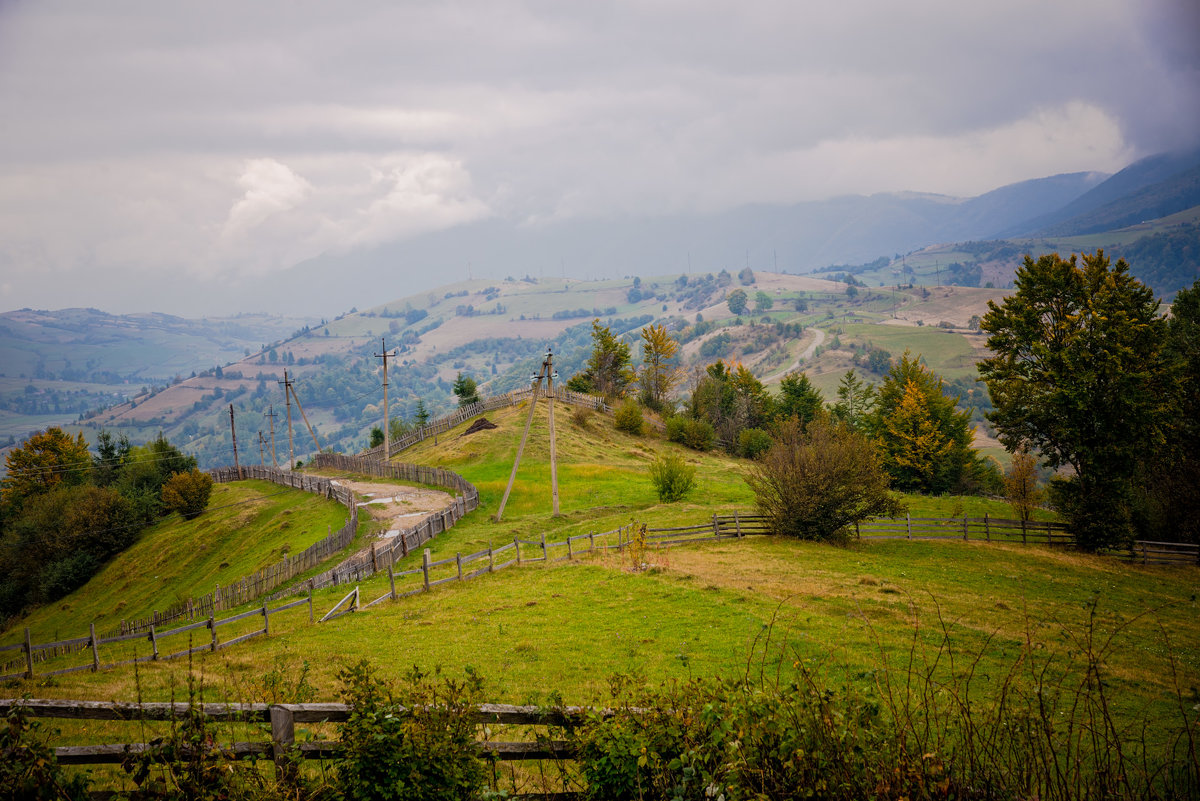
1078, 376
816, 483
659, 372
924, 439
730, 398
422, 416
608, 370
465, 389
187, 493
673, 478
746, 276
45, 460
799, 398
737, 301
376, 436
1021, 485
856, 401
762, 301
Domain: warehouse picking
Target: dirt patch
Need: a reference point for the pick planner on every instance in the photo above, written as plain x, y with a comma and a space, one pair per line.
402, 507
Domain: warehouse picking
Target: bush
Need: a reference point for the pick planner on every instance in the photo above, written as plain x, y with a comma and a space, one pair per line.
28, 766
699, 435
629, 417
753, 442
676, 427
419, 744
187, 493
581, 416
673, 477
814, 483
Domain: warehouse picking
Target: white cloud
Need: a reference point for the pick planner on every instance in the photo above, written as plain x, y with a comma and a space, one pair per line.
271, 188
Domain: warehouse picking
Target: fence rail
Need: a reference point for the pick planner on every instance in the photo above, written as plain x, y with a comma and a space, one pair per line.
443, 424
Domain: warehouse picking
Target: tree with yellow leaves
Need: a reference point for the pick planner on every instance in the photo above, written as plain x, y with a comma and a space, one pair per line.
659, 373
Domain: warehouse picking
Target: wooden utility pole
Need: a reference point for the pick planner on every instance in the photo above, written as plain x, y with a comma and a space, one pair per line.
304, 417
233, 431
546, 372
271, 415
287, 397
261, 457
387, 433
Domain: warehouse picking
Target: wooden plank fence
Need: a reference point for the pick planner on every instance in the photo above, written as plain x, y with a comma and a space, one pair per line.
153, 639
443, 424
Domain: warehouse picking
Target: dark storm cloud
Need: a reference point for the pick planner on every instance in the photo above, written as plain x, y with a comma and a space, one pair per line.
218, 138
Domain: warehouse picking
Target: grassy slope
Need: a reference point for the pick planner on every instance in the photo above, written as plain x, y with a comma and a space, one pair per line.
248, 526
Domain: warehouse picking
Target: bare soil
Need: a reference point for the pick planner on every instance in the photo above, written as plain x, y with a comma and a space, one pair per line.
402, 507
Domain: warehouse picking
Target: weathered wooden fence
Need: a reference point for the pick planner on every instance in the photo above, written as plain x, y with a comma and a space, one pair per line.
443, 424
152, 639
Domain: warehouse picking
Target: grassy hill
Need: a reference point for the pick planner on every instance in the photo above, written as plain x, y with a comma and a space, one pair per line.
248, 526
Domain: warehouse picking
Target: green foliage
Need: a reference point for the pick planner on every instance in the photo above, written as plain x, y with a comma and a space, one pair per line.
815, 483
45, 460
187, 493
376, 436
737, 301
659, 372
29, 770
417, 743
422, 416
628, 417
1021, 485
608, 368
855, 403
762, 301
1079, 376
753, 442
731, 399
799, 398
466, 390
673, 477
696, 434
924, 439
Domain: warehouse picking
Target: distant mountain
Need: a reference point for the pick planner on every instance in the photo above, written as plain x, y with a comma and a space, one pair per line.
1145, 190
798, 238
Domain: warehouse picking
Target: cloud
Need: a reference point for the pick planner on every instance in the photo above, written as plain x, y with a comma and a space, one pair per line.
271, 188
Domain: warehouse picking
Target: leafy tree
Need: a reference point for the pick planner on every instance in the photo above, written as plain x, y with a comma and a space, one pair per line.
1021, 485
422, 416
376, 436
852, 291
799, 398
45, 460
465, 389
737, 301
746, 277
608, 370
1078, 375
753, 442
816, 483
659, 372
731, 399
856, 401
187, 493
628, 417
924, 439
111, 455
762, 301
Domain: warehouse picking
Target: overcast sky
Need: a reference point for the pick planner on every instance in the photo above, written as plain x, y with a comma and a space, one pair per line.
154, 153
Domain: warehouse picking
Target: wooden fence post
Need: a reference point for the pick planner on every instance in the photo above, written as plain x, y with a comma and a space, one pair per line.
212, 625
266, 621
425, 568
28, 655
310, 595
392, 573
543, 546
716, 529
737, 523
95, 648
570, 556
154, 641
517, 548
965, 537
592, 540
908, 523
283, 739
491, 558
458, 563
987, 529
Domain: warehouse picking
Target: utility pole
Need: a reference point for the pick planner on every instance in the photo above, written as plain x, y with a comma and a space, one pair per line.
271, 415
546, 372
261, 459
287, 397
387, 433
937, 265
304, 417
233, 431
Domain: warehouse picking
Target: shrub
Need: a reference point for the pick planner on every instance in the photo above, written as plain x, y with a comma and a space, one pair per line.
28, 766
673, 477
629, 417
187, 493
581, 416
814, 483
753, 442
699, 435
419, 744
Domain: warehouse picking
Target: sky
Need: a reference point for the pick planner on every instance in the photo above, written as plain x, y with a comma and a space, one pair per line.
157, 156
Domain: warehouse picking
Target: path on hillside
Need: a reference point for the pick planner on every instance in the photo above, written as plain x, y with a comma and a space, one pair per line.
402, 507
805, 354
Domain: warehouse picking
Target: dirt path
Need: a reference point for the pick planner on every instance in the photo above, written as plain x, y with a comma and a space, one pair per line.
402, 507
805, 354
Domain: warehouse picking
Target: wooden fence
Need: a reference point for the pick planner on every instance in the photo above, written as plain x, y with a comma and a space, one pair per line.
444, 424
154, 638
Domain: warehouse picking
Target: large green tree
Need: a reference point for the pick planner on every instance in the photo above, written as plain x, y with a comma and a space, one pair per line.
1078, 376
608, 369
799, 398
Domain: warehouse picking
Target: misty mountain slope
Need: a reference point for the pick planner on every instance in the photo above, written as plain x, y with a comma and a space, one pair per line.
1153, 202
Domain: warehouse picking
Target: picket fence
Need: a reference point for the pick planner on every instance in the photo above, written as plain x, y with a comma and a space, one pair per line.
443, 424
